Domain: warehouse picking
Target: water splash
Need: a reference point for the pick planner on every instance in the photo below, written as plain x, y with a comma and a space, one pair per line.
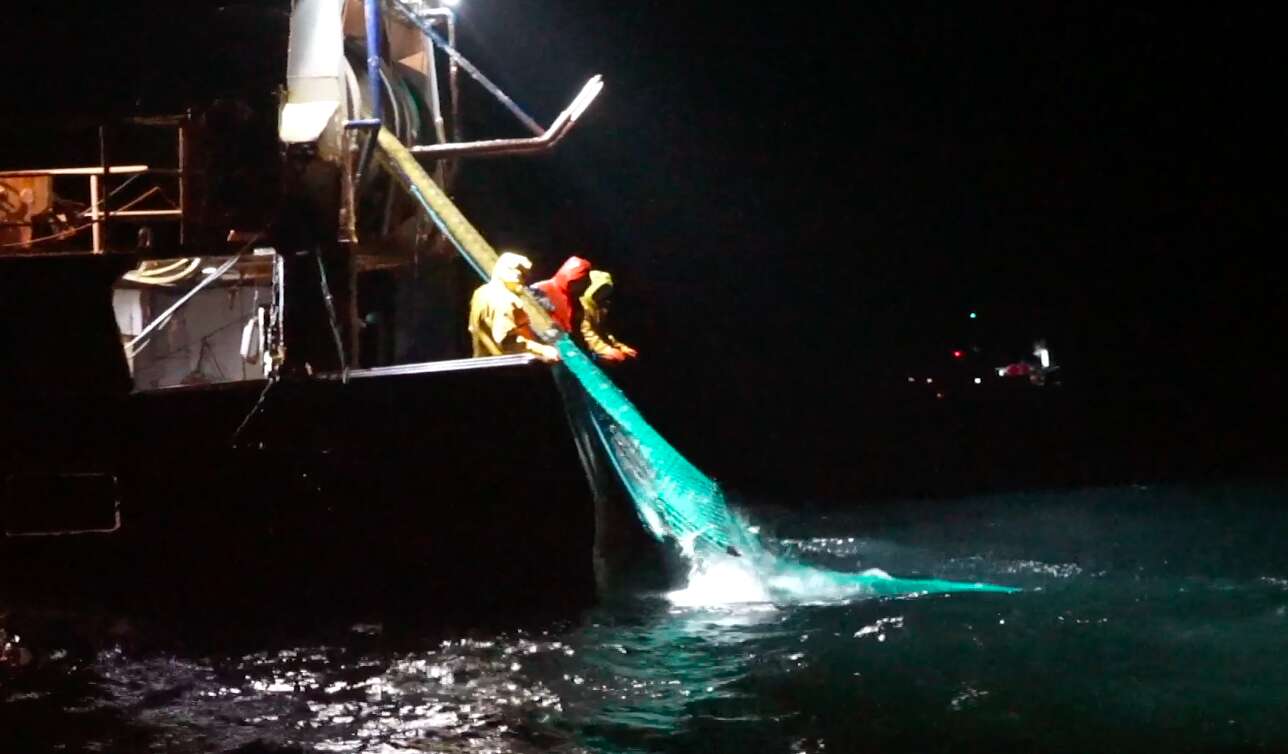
677, 503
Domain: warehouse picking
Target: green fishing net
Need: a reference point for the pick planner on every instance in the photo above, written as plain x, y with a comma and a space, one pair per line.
671, 495
677, 502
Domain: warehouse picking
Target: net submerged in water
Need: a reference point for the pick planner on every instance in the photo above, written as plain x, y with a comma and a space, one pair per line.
683, 507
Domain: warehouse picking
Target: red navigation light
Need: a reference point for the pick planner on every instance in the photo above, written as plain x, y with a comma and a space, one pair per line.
958, 354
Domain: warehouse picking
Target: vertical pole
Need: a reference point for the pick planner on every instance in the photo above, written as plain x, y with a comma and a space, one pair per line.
435, 103
183, 178
97, 229
453, 83
454, 87
374, 26
277, 320
102, 153
431, 90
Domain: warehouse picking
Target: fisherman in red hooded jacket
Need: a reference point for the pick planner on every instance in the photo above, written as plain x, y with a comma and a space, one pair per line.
561, 292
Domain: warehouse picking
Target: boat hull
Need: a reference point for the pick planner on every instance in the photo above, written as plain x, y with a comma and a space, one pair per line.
435, 492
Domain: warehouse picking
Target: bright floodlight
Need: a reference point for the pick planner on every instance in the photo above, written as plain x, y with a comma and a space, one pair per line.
587, 95
208, 270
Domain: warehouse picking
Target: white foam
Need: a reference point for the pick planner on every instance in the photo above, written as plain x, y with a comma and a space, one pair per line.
723, 581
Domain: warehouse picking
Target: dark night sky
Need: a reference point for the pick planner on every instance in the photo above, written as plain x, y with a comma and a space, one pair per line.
807, 205
803, 204
896, 166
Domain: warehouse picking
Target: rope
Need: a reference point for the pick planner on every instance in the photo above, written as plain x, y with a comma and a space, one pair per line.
478, 76
330, 312
272, 380
158, 277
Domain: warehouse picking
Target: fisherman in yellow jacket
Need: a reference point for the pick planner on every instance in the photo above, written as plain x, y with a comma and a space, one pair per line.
594, 315
497, 323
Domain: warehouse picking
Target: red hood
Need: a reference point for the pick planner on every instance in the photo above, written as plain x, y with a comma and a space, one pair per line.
556, 289
572, 269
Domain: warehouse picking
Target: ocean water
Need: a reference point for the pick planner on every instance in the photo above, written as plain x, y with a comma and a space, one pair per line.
1149, 619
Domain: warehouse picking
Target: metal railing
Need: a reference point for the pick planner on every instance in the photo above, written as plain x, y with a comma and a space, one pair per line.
96, 216
99, 212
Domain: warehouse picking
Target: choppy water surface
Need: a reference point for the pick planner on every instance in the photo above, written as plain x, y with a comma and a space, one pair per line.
1151, 620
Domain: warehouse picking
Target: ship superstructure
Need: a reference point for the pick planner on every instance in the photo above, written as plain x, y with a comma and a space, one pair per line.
241, 348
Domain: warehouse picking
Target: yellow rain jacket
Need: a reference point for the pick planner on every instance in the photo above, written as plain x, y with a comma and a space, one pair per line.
594, 306
497, 322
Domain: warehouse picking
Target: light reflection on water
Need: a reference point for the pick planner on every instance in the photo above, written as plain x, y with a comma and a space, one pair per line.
1131, 634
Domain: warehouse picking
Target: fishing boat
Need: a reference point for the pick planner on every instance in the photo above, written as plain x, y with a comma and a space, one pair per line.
237, 357
211, 399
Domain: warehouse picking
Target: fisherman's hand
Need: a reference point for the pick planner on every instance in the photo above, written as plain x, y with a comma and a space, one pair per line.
613, 355
627, 350
548, 354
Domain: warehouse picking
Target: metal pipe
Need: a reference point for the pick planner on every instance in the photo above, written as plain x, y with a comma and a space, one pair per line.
277, 319
446, 169
144, 213
478, 76
435, 106
102, 154
115, 170
547, 140
370, 125
371, 9
400, 124
453, 69
94, 214
434, 367
182, 126
490, 147
454, 89
431, 90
